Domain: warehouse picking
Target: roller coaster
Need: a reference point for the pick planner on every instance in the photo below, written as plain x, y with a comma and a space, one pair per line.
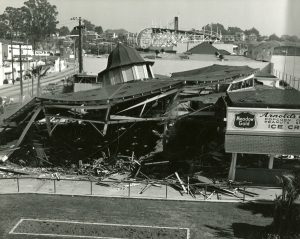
156, 37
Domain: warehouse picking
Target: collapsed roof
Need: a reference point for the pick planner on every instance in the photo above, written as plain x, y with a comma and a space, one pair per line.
214, 73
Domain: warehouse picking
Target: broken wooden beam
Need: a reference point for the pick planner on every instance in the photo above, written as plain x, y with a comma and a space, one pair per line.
181, 182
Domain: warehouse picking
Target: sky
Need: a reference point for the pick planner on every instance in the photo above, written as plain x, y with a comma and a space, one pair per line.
268, 16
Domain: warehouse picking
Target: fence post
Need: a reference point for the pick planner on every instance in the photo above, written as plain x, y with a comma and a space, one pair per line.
129, 189
205, 192
18, 185
54, 185
166, 190
91, 183
244, 195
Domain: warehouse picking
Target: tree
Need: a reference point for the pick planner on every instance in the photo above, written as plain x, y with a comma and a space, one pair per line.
233, 30
88, 25
99, 30
252, 31
293, 38
38, 72
41, 18
287, 214
289, 38
215, 27
13, 22
274, 37
4, 30
63, 31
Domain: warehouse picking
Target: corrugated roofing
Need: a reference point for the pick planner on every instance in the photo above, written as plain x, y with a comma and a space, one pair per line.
265, 97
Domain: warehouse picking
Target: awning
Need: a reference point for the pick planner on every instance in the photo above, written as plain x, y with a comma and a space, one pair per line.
262, 144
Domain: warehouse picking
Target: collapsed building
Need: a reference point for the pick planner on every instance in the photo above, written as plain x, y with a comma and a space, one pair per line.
172, 124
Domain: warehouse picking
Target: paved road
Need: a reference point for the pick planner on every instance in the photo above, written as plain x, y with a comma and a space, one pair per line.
13, 91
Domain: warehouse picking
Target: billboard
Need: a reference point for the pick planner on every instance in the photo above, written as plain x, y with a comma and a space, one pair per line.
263, 120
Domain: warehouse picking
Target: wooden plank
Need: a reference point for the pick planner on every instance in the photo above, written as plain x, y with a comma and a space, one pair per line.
37, 111
145, 188
107, 117
154, 163
181, 182
86, 107
96, 129
75, 119
151, 99
48, 124
140, 120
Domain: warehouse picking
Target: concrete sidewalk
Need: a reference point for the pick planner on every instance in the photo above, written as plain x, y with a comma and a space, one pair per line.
121, 189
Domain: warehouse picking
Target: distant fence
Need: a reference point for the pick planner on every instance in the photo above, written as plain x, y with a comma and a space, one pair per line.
126, 189
290, 80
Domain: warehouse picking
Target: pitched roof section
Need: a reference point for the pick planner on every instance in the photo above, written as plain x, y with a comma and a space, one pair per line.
265, 97
124, 56
214, 73
203, 48
114, 93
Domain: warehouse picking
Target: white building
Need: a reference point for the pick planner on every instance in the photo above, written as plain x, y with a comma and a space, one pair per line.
8, 50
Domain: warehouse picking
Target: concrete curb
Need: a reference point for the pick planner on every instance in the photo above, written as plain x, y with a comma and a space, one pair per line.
257, 201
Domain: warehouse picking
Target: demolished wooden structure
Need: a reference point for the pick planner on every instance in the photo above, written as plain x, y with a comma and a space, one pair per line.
117, 104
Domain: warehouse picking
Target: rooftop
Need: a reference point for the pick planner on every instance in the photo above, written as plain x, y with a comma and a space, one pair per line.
123, 56
214, 73
265, 97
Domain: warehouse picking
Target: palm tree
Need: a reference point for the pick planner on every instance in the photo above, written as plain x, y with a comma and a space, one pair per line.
287, 213
39, 72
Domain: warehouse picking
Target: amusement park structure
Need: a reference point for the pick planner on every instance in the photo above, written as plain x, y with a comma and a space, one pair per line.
167, 38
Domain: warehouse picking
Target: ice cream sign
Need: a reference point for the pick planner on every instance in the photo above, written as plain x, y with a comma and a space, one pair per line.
263, 120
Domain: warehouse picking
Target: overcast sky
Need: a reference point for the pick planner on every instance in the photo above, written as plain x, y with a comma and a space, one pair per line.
268, 16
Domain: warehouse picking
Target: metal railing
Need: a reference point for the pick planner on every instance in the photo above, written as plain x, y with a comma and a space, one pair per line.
290, 80
112, 188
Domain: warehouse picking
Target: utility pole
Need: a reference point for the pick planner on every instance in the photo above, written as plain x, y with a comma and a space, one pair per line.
12, 58
21, 72
79, 28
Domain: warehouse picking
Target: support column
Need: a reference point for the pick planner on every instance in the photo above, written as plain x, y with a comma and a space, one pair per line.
106, 120
271, 161
231, 174
48, 123
37, 111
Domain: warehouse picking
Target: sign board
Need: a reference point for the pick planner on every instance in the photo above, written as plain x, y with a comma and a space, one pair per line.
263, 120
